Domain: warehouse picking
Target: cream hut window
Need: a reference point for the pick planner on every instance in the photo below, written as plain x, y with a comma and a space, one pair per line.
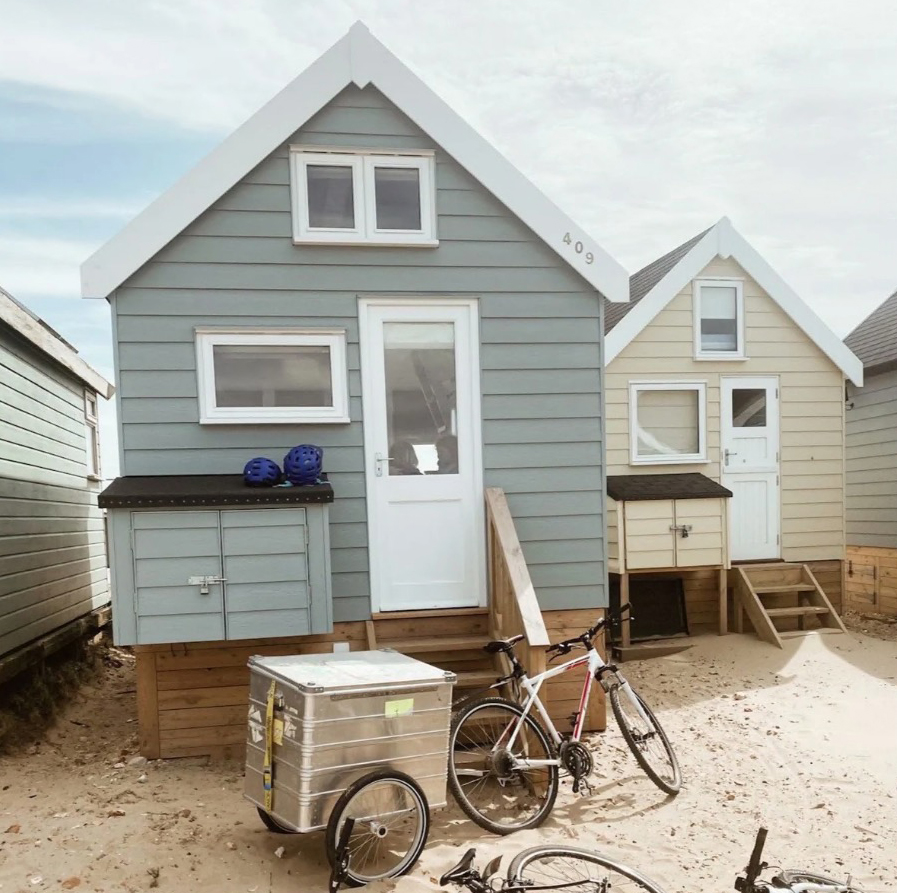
363, 197
719, 319
283, 376
668, 422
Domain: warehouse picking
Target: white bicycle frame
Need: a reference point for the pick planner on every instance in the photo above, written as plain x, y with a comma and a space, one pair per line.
532, 688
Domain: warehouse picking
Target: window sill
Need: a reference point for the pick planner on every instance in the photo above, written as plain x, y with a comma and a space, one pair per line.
666, 460
94, 477
368, 243
720, 358
330, 420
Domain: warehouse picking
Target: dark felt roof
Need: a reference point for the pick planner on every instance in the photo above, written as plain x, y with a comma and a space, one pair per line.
690, 485
177, 491
874, 340
644, 280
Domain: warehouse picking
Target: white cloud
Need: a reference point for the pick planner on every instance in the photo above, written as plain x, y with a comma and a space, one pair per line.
32, 267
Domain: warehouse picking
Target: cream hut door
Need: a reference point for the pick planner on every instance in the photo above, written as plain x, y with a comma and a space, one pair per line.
749, 435
423, 464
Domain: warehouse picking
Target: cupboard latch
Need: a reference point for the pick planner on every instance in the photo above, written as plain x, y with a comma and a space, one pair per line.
684, 529
205, 582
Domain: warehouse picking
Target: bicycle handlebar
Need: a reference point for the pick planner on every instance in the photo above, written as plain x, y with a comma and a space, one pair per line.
585, 638
754, 867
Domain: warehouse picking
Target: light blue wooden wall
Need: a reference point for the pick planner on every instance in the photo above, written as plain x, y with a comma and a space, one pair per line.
52, 545
541, 351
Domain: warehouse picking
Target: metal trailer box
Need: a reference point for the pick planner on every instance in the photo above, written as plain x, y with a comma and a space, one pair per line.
338, 717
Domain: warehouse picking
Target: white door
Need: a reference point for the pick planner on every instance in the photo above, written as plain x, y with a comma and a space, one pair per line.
749, 435
423, 462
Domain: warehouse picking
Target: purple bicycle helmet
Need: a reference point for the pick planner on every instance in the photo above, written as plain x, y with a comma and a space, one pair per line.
303, 463
261, 472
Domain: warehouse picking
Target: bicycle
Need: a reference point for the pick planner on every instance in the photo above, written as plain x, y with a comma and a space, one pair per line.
501, 758
581, 871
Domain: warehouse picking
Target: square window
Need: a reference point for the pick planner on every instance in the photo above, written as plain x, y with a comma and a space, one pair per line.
364, 197
667, 422
255, 376
719, 319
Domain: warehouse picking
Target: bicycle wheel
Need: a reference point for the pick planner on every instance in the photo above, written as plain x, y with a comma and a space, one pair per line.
392, 821
646, 739
576, 870
799, 876
498, 797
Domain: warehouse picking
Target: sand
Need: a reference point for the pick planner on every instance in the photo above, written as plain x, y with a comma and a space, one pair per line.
801, 740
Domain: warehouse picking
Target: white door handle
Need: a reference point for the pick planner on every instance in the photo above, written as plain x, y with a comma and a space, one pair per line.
728, 453
379, 459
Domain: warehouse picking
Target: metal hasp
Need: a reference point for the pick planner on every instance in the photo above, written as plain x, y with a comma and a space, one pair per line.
205, 582
684, 529
337, 717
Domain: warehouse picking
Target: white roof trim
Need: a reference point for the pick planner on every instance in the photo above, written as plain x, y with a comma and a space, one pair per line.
361, 59
723, 240
29, 327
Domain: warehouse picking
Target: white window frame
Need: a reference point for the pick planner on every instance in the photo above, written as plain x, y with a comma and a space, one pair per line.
719, 282
210, 414
635, 388
363, 162
92, 423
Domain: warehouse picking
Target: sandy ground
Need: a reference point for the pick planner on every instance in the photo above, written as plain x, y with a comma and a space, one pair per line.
802, 740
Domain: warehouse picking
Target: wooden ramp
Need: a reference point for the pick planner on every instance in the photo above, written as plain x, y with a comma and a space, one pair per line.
768, 593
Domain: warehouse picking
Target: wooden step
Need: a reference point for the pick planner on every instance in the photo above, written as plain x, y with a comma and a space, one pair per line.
442, 643
476, 678
802, 634
646, 650
801, 611
769, 566
783, 588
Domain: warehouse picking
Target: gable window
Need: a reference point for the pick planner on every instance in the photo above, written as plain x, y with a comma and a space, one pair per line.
92, 427
362, 197
286, 376
719, 319
668, 422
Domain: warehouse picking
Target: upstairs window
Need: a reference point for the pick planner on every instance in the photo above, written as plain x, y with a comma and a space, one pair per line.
719, 319
91, 425
362, 198
668, 422
285, 376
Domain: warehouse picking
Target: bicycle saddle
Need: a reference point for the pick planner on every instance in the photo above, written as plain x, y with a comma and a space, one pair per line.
460, 871
502, 645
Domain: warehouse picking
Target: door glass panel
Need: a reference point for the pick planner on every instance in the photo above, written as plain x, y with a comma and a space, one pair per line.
331, 197
421, 407
719, 318
272, 375
397, 191
749, 407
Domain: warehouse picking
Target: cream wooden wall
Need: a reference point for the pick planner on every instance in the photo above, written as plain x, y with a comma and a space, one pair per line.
811, 395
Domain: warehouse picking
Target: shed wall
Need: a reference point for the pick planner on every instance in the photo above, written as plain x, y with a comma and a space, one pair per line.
52, 544
541, 351
872, 462
811, 394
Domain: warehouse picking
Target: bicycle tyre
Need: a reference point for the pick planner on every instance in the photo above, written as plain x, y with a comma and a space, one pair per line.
525, 872
354, 876
799, 875
534, 728
272, 824
668, 786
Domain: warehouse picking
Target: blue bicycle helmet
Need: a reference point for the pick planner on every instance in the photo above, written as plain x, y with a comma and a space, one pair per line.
302, 464
261, 472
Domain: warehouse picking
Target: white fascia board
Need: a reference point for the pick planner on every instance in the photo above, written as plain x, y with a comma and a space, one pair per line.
361, 59
29, 328
725, 241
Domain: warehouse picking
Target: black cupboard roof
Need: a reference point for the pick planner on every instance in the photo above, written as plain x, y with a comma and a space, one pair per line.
182, 490
690, 485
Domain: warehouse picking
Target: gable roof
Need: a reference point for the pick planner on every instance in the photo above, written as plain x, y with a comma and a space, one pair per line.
361, 59
658, 283
644, 280
47, 340
874, 340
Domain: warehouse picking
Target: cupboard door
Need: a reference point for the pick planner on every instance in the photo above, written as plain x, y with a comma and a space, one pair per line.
169, 549
705, 543
650, 542
266, 571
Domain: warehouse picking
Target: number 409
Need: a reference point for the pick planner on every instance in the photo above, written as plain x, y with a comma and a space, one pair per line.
578, 248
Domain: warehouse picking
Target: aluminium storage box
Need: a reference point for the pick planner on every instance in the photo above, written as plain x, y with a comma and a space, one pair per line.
338, 717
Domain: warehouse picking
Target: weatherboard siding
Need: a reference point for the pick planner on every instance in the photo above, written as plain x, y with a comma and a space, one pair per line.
52, 545
872, 462
811, 400
541, 351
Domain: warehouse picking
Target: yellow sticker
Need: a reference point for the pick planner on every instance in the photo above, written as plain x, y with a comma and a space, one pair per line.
405, 707
278, 731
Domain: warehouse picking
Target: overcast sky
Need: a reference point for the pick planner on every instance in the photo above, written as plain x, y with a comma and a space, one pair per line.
645, 121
